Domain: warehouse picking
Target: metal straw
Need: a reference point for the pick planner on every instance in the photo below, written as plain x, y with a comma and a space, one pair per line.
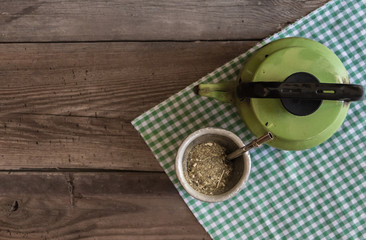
253, 144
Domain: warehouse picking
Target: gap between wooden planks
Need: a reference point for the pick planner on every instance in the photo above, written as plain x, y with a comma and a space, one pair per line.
93, 205
70, 105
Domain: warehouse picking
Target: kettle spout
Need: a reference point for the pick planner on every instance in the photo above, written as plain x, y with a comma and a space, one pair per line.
222, 91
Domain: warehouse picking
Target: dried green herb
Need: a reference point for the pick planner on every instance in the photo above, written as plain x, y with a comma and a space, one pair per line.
208, 171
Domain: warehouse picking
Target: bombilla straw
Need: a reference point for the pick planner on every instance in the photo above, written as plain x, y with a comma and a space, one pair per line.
253, 144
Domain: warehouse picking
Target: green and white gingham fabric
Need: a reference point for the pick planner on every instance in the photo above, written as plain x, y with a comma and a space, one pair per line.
319, 193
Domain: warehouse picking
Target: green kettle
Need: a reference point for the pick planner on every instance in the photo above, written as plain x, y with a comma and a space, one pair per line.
295, 88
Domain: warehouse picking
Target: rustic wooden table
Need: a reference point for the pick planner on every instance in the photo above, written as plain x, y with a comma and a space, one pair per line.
73, 75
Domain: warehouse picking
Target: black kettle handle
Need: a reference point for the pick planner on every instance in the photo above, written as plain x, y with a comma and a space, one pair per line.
298, 90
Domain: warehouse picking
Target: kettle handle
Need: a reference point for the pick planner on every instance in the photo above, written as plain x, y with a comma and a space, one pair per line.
298, 90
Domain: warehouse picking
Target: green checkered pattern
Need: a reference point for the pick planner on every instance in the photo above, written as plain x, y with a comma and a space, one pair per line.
317, 193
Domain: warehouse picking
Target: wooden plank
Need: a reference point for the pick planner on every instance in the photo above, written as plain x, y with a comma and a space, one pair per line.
96, 20
93, 206
70, 105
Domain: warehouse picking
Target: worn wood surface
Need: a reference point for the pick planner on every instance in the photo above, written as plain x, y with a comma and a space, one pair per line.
66, 20
93, 206
70, 105
73, 74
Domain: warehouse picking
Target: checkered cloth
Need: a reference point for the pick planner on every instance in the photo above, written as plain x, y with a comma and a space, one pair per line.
317, 193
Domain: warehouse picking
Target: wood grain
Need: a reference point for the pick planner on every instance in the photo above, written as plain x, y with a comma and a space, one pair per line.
93, 206
70, 105
141, 20
73, 75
